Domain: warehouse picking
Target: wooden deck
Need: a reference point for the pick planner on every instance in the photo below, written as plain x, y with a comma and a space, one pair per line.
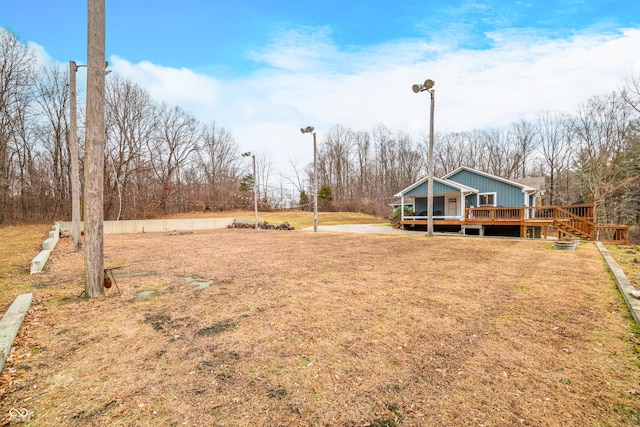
575, 221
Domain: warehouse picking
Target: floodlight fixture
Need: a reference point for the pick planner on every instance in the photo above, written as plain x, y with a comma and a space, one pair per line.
428, 84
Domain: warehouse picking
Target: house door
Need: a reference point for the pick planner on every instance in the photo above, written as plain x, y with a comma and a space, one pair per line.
452, 206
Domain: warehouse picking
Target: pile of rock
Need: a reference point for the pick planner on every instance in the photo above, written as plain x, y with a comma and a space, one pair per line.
263, 225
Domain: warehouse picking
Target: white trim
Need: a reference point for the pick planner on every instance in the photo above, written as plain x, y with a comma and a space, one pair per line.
495, 198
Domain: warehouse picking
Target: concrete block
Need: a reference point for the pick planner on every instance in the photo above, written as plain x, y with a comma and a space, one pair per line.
38, 263
10, 324
160, 225
48, 244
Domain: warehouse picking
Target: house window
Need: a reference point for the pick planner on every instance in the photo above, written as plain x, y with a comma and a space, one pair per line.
487, 199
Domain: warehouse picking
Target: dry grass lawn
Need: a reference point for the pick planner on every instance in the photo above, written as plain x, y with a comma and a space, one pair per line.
294, 328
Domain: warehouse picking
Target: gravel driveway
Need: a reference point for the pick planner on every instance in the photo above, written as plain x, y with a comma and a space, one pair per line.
361, 228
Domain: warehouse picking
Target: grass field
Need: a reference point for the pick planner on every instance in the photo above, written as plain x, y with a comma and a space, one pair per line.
295, 328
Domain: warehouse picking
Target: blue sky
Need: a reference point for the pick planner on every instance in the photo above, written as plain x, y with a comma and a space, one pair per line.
263, 69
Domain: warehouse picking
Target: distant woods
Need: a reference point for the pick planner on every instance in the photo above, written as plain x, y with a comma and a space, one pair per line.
159, 159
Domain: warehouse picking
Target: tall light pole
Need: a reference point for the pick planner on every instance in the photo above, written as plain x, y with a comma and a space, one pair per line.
73, 151
309, 129
255, 183
417, 88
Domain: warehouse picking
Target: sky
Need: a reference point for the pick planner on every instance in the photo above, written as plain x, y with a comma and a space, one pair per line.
265, 69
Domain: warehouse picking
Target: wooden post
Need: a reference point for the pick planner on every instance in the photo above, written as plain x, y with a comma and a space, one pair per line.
94, 152
73, 152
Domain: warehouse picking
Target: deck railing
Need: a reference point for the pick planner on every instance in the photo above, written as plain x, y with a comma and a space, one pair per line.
581, 211
612, 233
493, 214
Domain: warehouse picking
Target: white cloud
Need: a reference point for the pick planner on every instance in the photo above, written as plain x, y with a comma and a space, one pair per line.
174, 86
42, 56
308, 80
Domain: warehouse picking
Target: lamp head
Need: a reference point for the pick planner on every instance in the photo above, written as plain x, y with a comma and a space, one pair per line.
308, 129
428, 84
246, 154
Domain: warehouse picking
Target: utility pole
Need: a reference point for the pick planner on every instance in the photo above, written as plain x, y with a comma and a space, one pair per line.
94, 152
73, 149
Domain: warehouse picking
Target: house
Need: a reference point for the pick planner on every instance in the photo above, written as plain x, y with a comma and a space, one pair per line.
473, 202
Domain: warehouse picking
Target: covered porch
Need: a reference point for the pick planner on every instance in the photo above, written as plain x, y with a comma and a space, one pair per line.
450, 200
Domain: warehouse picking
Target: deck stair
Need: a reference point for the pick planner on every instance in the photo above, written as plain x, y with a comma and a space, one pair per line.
572, 224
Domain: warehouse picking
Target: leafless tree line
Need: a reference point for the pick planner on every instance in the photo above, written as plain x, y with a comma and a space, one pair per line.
159, 159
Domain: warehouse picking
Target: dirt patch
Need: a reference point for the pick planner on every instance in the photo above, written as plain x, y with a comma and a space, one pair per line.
307, 329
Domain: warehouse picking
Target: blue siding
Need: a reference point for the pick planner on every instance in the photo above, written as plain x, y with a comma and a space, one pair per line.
506, 194
438, 188
471, 199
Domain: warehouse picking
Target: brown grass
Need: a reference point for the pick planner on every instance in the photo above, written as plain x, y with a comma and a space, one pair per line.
279, 328
18, 246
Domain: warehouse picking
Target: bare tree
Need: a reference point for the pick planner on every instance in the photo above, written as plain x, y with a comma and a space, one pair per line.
363, 166
335, 161
386, 161
554, 136
264, 171
502, 159
17, 65
523, 135
449, 152
131, 120
219, 160
52, 95
600, 130
32, 186
175, 141
631, 93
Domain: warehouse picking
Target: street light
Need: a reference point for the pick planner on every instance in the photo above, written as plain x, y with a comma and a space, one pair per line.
73, 152
255, 181
417, 88
309, 129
